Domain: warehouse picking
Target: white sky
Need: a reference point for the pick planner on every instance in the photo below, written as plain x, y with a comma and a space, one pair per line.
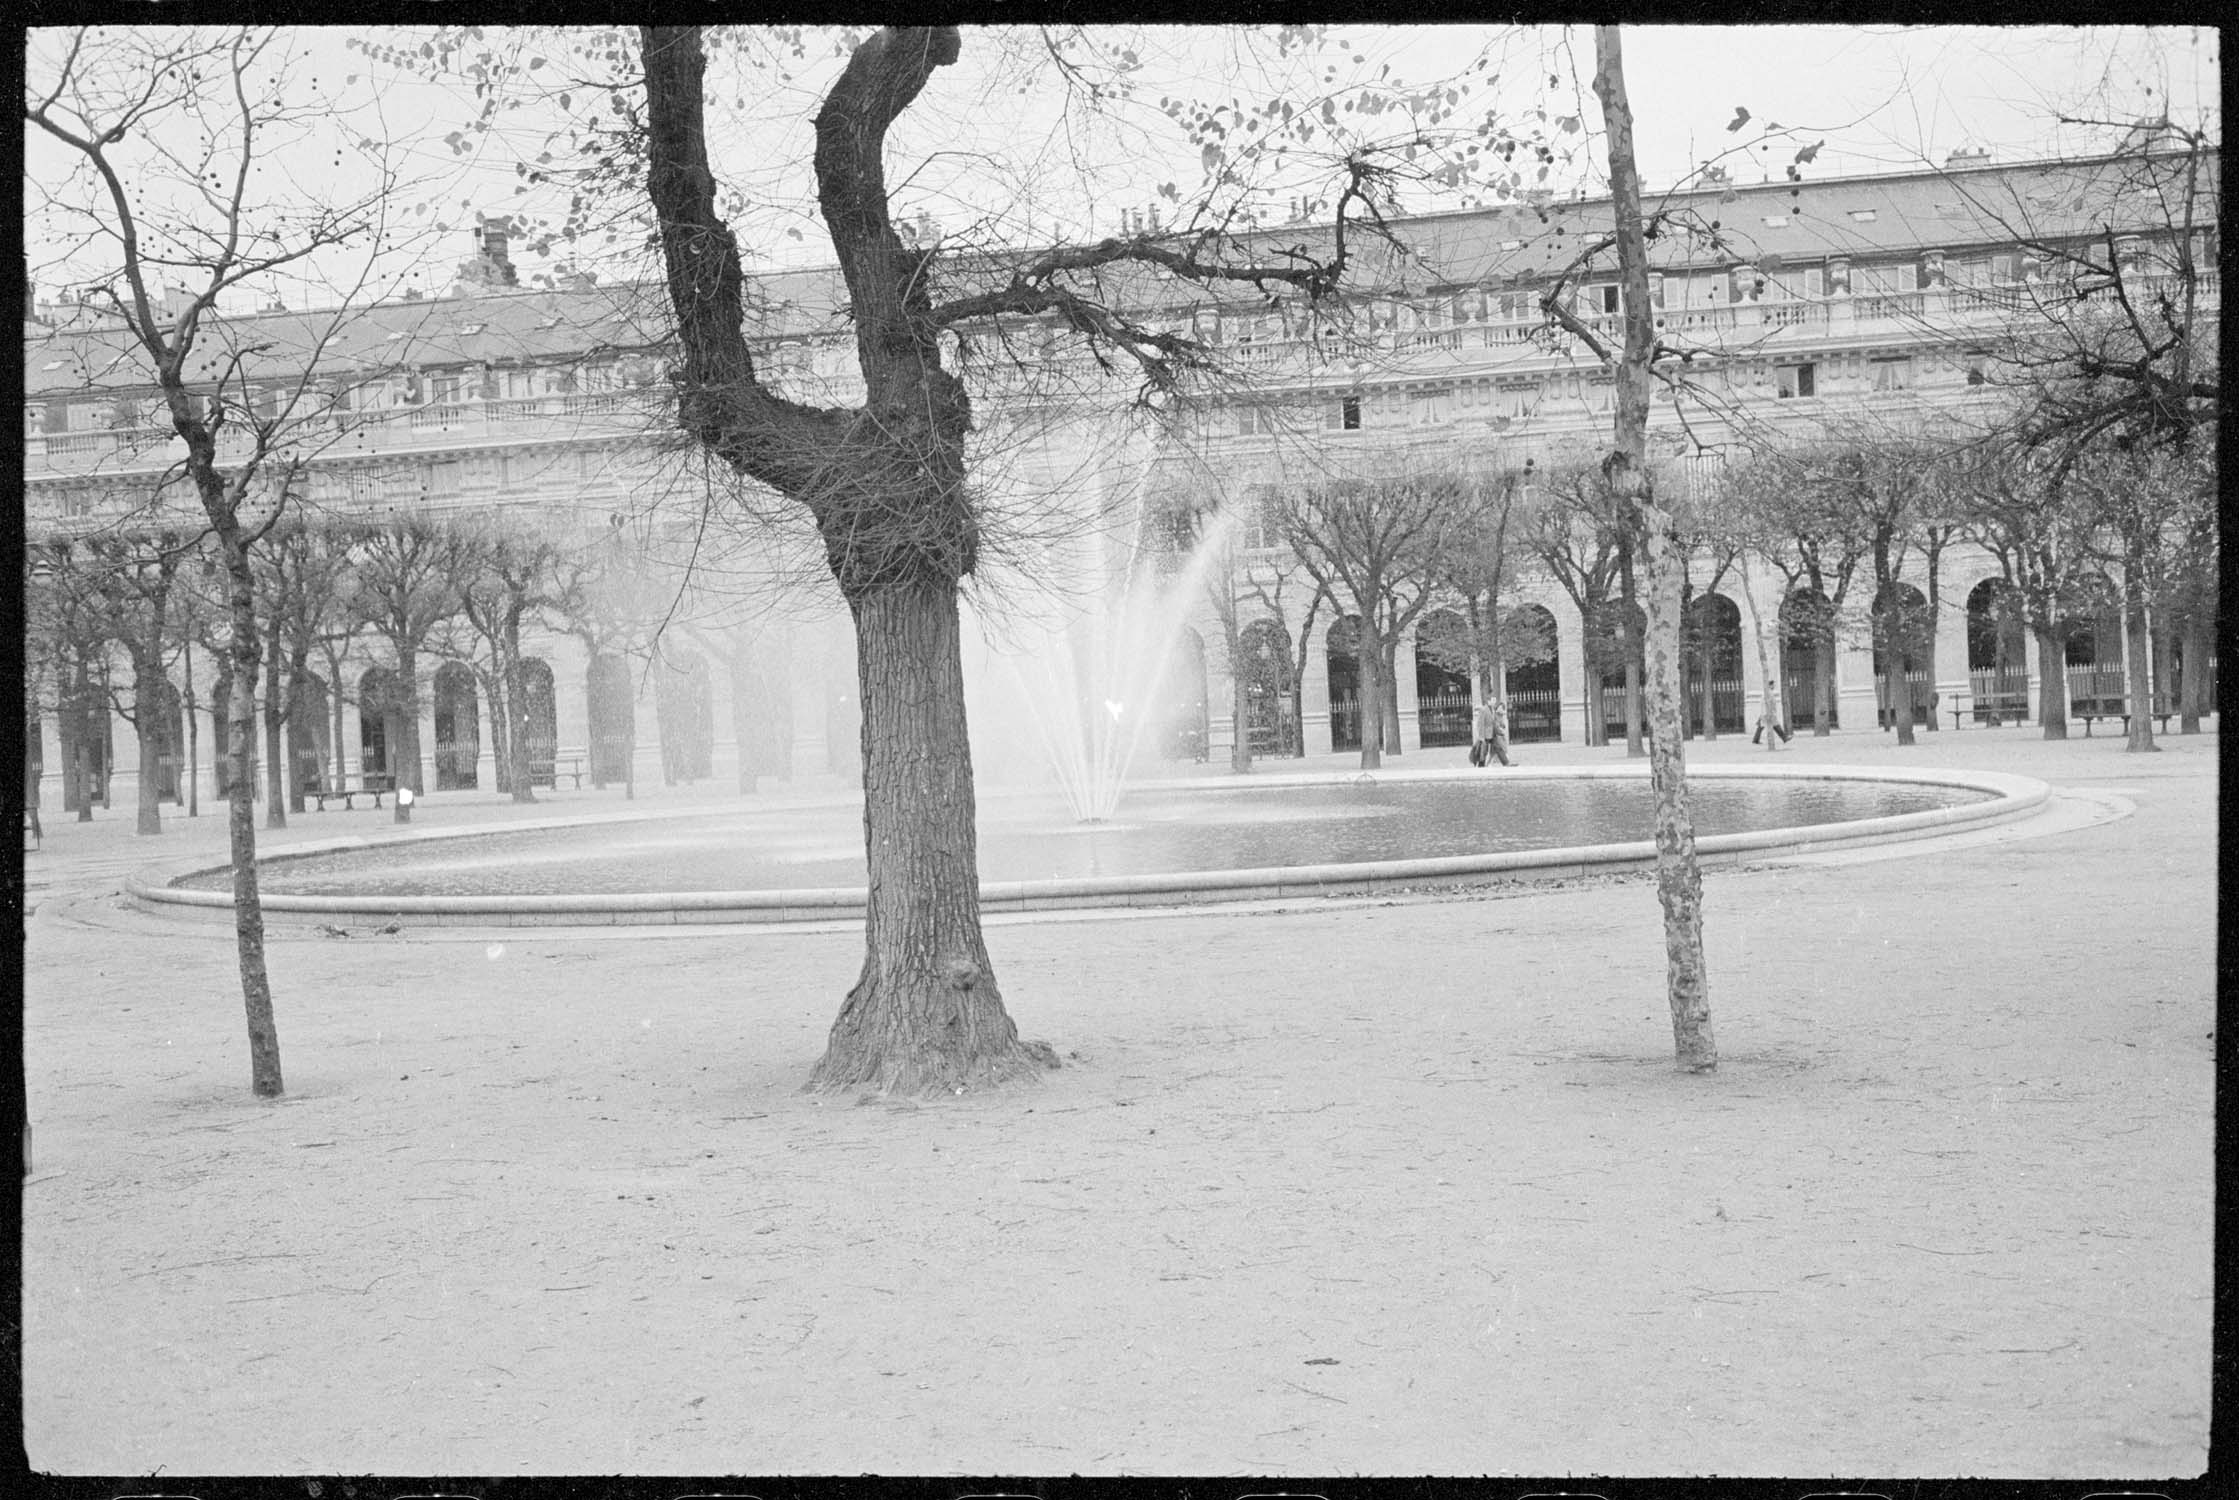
1879, 97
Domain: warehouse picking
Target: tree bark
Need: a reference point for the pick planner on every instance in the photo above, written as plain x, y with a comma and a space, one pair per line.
151, 704
275, 753
241, 820
1678, 875
1368, 659
2052, 680
925, 1015
2194, 670
2137, 649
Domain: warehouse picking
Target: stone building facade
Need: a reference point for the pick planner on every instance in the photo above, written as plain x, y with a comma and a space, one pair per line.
1802, 303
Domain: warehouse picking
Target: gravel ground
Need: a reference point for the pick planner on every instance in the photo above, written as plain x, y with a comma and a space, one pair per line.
1389, 1186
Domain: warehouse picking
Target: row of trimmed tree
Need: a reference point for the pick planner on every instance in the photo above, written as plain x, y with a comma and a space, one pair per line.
121, 619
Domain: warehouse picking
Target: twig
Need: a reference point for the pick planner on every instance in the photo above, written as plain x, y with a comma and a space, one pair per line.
1317, 1395
223, 1260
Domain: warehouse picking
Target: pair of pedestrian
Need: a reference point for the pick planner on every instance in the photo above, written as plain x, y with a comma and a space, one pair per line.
1489, 733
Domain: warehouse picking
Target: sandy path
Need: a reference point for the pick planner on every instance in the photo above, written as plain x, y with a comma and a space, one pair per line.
1394, 1188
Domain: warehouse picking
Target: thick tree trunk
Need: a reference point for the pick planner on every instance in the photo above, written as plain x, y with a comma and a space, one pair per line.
241, 826
2193, 689
1900, 681
515, 744
303, 728
2052, 681
1368, 661
405, 754
925, 1016
1823, 681
1678, 875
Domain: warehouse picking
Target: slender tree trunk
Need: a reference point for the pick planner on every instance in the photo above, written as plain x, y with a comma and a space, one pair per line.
194, 740
1635, 652
275, 753
241, 823
1678, 876
1239, 700
926, 1015
405, 754
2052, 681
1390, 669
2137, 649
1773, 714
150, 701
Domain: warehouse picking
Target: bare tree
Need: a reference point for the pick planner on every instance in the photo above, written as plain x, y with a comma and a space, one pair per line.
199, 110
1678, 875
887, 486
1372, 543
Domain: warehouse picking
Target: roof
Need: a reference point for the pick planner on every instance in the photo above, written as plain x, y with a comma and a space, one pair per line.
1807, 221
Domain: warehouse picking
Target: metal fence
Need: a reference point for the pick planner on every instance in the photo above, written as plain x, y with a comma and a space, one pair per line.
1444, 720
1535, 716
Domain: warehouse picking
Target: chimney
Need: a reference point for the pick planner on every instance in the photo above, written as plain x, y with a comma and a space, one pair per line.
1968, 156
494, 234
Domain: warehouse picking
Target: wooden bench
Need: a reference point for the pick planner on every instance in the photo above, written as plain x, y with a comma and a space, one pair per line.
547, 772
376, 786
2160, 716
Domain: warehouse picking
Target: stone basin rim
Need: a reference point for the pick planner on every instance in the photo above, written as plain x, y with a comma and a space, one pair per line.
2010, 797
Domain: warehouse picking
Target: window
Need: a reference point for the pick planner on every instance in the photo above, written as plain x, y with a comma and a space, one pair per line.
1602, 299
1255, 526
1893, 372
1343, 415
1863, 216
1256, 421
1795, 380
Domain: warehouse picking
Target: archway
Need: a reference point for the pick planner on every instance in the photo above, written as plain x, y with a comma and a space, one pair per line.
1903, 629
684, 710
378, 730
1269, 698
1608, 648
1341, 652
1535, 676
1807, 660
539, 720
310, 734
1997, 653
1442, 706
1711, 654
2094, 650
613, 718
458, 728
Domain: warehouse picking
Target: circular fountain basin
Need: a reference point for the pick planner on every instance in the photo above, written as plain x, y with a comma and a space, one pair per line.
1213, 839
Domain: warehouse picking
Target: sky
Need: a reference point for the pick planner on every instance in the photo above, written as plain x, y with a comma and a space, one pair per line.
990, 148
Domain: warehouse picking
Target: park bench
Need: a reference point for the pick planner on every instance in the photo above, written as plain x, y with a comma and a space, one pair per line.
547, 772
376, 785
